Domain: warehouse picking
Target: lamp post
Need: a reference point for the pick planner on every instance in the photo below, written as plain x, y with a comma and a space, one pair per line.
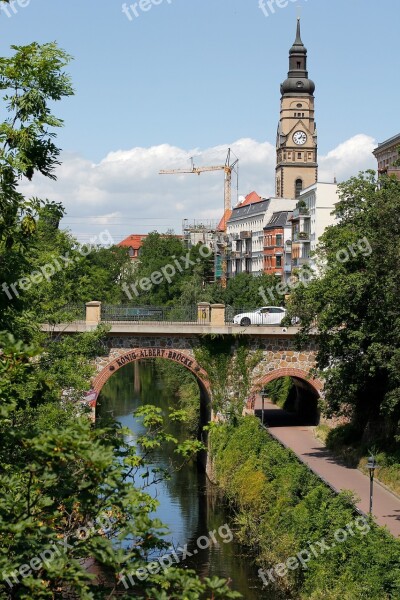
371, 467
263, 396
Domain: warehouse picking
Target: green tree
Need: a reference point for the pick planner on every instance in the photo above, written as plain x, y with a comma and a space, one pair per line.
354, 306
249, 292
31, 79
66, 487
182, 271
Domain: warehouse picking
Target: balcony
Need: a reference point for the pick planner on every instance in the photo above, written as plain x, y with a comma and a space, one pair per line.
301, 236
235, 236
300, 262
301, 212
245, 235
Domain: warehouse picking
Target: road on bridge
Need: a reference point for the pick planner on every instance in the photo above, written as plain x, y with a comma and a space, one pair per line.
300, 438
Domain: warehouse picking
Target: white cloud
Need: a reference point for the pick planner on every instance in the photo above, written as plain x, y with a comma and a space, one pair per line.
125, 193
348, 158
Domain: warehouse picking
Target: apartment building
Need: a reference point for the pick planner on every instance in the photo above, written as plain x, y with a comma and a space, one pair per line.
245, 232
387, 153
278, 245
312, 215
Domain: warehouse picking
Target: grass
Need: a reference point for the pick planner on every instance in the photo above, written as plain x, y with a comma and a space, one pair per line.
344, 443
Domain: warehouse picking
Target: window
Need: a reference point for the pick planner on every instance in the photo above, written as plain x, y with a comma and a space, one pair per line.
279, 240
279, 261
298, 187
298, 65
299, 155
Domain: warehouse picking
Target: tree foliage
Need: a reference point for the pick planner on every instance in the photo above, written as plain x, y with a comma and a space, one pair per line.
354, 305
70, 492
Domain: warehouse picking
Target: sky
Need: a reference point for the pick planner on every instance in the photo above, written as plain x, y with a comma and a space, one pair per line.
168, 80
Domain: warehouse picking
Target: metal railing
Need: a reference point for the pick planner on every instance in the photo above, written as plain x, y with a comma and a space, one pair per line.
155, 314
302, 236
301, 212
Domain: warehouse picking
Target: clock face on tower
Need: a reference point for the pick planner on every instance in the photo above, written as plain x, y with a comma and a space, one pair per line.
299, 138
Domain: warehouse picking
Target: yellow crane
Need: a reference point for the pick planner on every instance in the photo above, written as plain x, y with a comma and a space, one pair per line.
228, 169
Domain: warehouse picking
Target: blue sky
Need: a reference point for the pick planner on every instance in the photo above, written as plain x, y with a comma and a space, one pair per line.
195, 76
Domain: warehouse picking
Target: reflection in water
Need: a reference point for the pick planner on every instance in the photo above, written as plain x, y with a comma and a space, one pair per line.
189, 504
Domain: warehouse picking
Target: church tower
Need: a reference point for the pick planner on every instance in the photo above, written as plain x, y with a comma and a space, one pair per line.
296, 143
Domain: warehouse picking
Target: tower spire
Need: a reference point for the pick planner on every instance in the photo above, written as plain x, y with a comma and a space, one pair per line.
298, 41
296, 140
298, 81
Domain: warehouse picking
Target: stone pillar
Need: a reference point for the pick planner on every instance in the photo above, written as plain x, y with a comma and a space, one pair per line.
218, 315
203, 313
93, 313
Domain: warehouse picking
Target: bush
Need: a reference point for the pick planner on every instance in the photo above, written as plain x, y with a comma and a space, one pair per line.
282, 509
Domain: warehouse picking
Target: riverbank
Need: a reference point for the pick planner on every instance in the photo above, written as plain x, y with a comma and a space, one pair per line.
308, 539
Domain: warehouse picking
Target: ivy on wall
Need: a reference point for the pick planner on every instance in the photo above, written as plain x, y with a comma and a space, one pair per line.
229, 365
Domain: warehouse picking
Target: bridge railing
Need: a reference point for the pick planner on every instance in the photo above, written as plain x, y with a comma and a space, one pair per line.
203, 313
154, 314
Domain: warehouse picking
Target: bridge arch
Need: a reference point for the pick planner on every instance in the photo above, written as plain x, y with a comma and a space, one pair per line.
299, 376
315, 383
137, 354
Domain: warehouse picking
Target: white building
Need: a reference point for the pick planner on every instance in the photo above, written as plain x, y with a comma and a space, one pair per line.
245, 231
311, 217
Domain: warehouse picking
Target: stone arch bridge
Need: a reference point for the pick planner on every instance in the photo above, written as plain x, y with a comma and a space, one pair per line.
130, 341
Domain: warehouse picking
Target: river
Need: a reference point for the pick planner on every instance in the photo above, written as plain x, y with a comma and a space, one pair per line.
189, 504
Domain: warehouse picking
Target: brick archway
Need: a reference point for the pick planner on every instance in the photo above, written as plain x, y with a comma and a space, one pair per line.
315, 383
137, 354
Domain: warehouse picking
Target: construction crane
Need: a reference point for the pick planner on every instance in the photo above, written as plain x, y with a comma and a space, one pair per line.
228, 168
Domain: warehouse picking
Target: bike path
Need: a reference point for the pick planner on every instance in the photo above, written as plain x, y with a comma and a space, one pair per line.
311, 451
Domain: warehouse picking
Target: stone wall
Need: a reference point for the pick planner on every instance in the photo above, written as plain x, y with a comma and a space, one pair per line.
280, 358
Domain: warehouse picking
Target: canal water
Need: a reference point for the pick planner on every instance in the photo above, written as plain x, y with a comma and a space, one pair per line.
189, 504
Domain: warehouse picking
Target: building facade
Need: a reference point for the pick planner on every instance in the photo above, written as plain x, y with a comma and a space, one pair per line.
296, 142
312, 215
245, 232
387, 153
278, 245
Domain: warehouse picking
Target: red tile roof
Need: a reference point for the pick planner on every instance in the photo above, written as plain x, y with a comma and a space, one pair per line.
134, 241
224, 220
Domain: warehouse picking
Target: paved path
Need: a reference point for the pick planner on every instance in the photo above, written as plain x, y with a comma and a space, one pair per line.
300, 438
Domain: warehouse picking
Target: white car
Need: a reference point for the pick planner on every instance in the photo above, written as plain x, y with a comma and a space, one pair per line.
266, 315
